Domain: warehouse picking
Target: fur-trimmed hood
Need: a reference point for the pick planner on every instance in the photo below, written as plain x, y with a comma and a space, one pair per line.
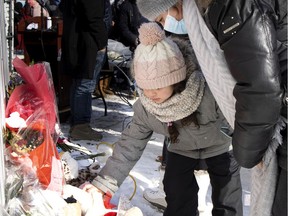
188, 54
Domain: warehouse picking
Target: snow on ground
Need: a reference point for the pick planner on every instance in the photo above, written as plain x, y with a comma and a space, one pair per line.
146, 172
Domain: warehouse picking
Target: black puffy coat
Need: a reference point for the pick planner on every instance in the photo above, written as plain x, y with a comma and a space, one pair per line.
84, 33
253, 36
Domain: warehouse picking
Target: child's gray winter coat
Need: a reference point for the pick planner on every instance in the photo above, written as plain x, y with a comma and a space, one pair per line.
196, 142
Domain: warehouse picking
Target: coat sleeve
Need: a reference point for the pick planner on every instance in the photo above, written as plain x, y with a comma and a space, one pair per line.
91, 15
246, 33
125, 22
126, 153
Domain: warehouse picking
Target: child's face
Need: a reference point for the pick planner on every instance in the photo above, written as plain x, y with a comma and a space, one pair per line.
159, 95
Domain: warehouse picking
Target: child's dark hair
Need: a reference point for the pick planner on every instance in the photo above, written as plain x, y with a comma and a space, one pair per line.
173, 132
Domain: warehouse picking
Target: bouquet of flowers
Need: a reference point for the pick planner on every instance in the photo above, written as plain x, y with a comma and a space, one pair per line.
35, 183
31, 124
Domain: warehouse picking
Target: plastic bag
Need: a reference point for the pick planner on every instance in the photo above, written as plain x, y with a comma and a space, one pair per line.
35, 103
36, 96
46, 159
117, 50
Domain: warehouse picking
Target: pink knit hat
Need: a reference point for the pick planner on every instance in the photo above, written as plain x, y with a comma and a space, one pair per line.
157, 62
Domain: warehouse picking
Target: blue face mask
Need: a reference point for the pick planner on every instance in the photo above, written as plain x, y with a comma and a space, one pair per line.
174, 26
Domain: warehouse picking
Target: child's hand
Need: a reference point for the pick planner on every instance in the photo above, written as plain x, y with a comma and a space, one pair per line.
97, 208
89, 188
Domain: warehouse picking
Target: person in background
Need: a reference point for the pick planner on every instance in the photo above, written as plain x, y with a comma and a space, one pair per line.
36, 9
18, 15
104, 83
53, 7
175, 101
84, 37
27, 11
18, 12
127, 20
57, 2
108, 15
252, 42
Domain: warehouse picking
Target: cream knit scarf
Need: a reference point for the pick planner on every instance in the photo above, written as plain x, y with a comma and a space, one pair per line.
211, 59
179, 105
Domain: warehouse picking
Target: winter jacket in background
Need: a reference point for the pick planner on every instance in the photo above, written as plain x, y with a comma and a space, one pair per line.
127, 22
84, 33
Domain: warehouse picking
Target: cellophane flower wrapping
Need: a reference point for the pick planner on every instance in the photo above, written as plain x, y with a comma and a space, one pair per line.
31, 144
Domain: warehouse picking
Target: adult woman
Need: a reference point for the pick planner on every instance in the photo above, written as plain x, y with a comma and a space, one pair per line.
253, 47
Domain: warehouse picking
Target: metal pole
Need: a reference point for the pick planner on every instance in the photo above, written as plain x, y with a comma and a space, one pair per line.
4, 71
9, 17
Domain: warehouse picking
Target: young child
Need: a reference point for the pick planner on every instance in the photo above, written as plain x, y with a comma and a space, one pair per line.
173, 24
174, 100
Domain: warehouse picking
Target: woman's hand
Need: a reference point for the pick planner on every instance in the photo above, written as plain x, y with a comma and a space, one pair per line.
260, 165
